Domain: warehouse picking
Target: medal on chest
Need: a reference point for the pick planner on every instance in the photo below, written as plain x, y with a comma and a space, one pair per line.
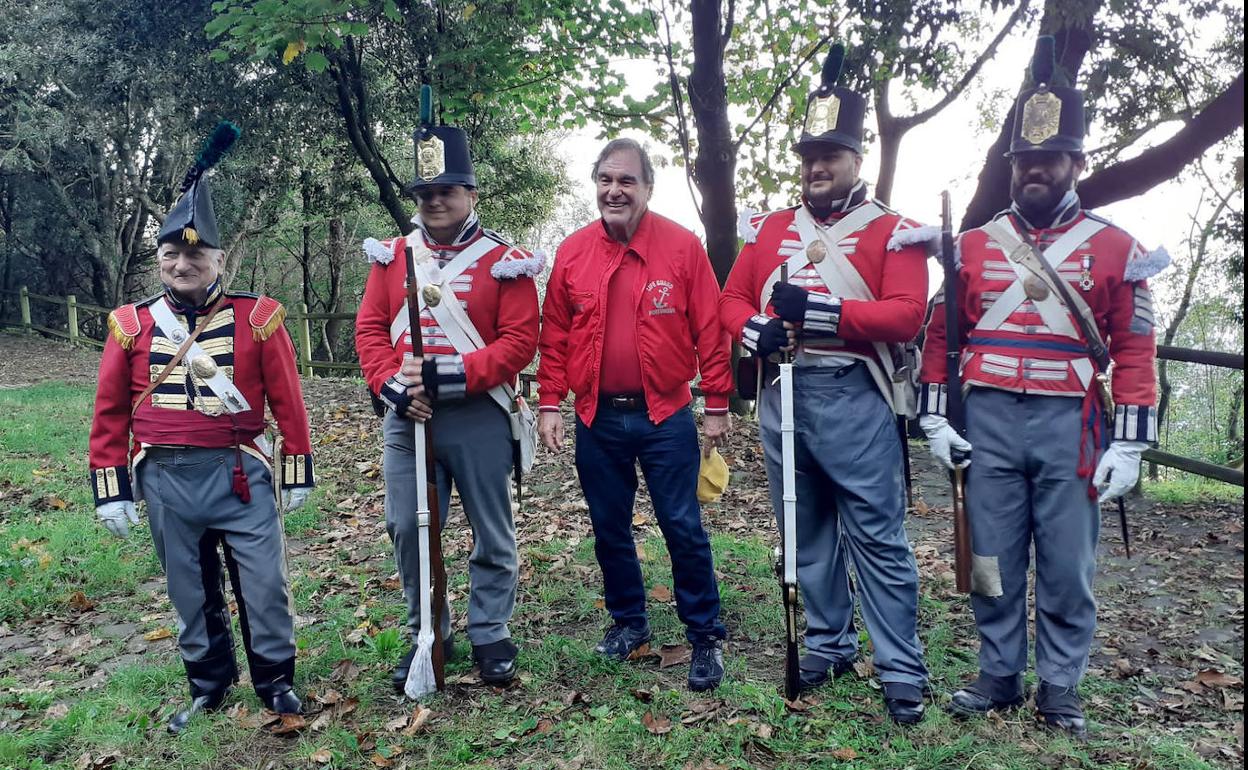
1085, 275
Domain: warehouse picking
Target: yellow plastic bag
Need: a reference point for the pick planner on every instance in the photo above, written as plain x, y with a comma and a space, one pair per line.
712, 477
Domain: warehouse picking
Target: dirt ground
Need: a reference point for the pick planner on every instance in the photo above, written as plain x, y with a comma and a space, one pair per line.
1170, 618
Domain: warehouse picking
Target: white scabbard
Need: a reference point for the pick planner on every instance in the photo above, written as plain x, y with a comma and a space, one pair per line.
788, 486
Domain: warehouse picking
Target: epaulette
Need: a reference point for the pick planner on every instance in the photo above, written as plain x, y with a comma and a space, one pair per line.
1140, 264
909, 233
123, 324
516, 262
383, 252
266, 316
750, 222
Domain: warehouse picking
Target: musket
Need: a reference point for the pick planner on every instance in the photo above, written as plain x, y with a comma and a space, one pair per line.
953, 405
432, 568
786, 568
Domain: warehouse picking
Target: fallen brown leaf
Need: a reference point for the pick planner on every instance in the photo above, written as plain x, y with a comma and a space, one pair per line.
79, 601
289, 724
656, 725
345, 671
1215, 679
661, 593
845, 754
322, 756
673, 655
419, 717
158, 634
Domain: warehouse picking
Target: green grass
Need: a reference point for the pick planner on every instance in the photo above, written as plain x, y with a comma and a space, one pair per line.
569, 705
1186, 488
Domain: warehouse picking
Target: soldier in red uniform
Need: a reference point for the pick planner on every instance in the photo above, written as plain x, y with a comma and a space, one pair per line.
856, 290
183, 383
1033, 415
478, 332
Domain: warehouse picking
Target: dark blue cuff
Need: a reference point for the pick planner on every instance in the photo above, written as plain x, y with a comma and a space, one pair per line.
933, 398
1135, 422
297, 471
444, 377
111, 484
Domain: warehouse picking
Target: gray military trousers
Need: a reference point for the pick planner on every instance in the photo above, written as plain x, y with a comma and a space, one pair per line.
189, 495
850, 510
1023, 491
472, 443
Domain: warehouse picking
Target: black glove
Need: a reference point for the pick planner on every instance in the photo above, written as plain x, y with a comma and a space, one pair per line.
764, 336
789, 301
394, 395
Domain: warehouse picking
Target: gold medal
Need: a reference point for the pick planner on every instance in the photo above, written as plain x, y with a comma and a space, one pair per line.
432, 295
816, 252
204, 367
1035, 289
1042, 117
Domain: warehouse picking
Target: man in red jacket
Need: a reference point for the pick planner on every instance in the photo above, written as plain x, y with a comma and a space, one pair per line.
1033, 415
478, 332
857, 286
182, 388
629, 320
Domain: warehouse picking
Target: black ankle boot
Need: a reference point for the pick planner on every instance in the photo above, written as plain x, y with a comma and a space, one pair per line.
496, 661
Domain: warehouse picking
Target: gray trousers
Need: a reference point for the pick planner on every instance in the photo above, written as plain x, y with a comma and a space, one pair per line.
190, 503
850, 509
472, 443
1022, 490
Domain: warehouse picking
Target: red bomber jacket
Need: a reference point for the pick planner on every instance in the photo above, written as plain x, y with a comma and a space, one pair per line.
250, 346
678, 332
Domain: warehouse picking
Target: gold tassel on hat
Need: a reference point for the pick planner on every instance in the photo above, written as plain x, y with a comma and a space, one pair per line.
190, 236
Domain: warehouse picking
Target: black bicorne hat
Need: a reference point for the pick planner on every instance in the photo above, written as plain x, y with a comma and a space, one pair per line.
834, 114
1049, 114
441, 151
192, 219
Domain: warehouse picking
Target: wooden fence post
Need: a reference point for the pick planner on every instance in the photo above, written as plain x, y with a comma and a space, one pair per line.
71, 310
24, 298
305, 337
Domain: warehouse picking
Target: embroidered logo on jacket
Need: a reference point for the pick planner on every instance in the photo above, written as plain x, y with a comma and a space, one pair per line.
659, 292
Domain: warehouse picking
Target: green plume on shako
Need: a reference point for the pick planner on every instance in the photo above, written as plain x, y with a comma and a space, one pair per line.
192, 219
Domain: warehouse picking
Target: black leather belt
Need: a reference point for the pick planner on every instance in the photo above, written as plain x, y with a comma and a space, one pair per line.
626, 403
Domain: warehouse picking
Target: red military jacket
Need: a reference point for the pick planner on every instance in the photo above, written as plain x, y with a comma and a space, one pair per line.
1024, 354
496, 290
250, 347
678, 333
890, 253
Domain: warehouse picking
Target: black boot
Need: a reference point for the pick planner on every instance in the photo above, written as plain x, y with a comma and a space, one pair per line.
1061, 709
988, 693
815, 670
275, 683
398, 677
904, 702
210, 682
497, 661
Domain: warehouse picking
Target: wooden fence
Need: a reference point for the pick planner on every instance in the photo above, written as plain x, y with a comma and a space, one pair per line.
301, 321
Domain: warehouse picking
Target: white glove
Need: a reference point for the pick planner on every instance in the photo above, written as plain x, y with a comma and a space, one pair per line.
1118, 469
942, 439
117, 516
295, 497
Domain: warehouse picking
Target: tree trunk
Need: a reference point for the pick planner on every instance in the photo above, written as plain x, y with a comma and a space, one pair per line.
1215, 122
333, 304
715, 165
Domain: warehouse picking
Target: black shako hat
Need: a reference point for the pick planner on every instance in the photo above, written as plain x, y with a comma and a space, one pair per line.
441, 151
834, 114
192, 219
1048, 115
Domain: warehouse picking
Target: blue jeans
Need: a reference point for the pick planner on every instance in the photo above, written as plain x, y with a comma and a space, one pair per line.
606, 459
